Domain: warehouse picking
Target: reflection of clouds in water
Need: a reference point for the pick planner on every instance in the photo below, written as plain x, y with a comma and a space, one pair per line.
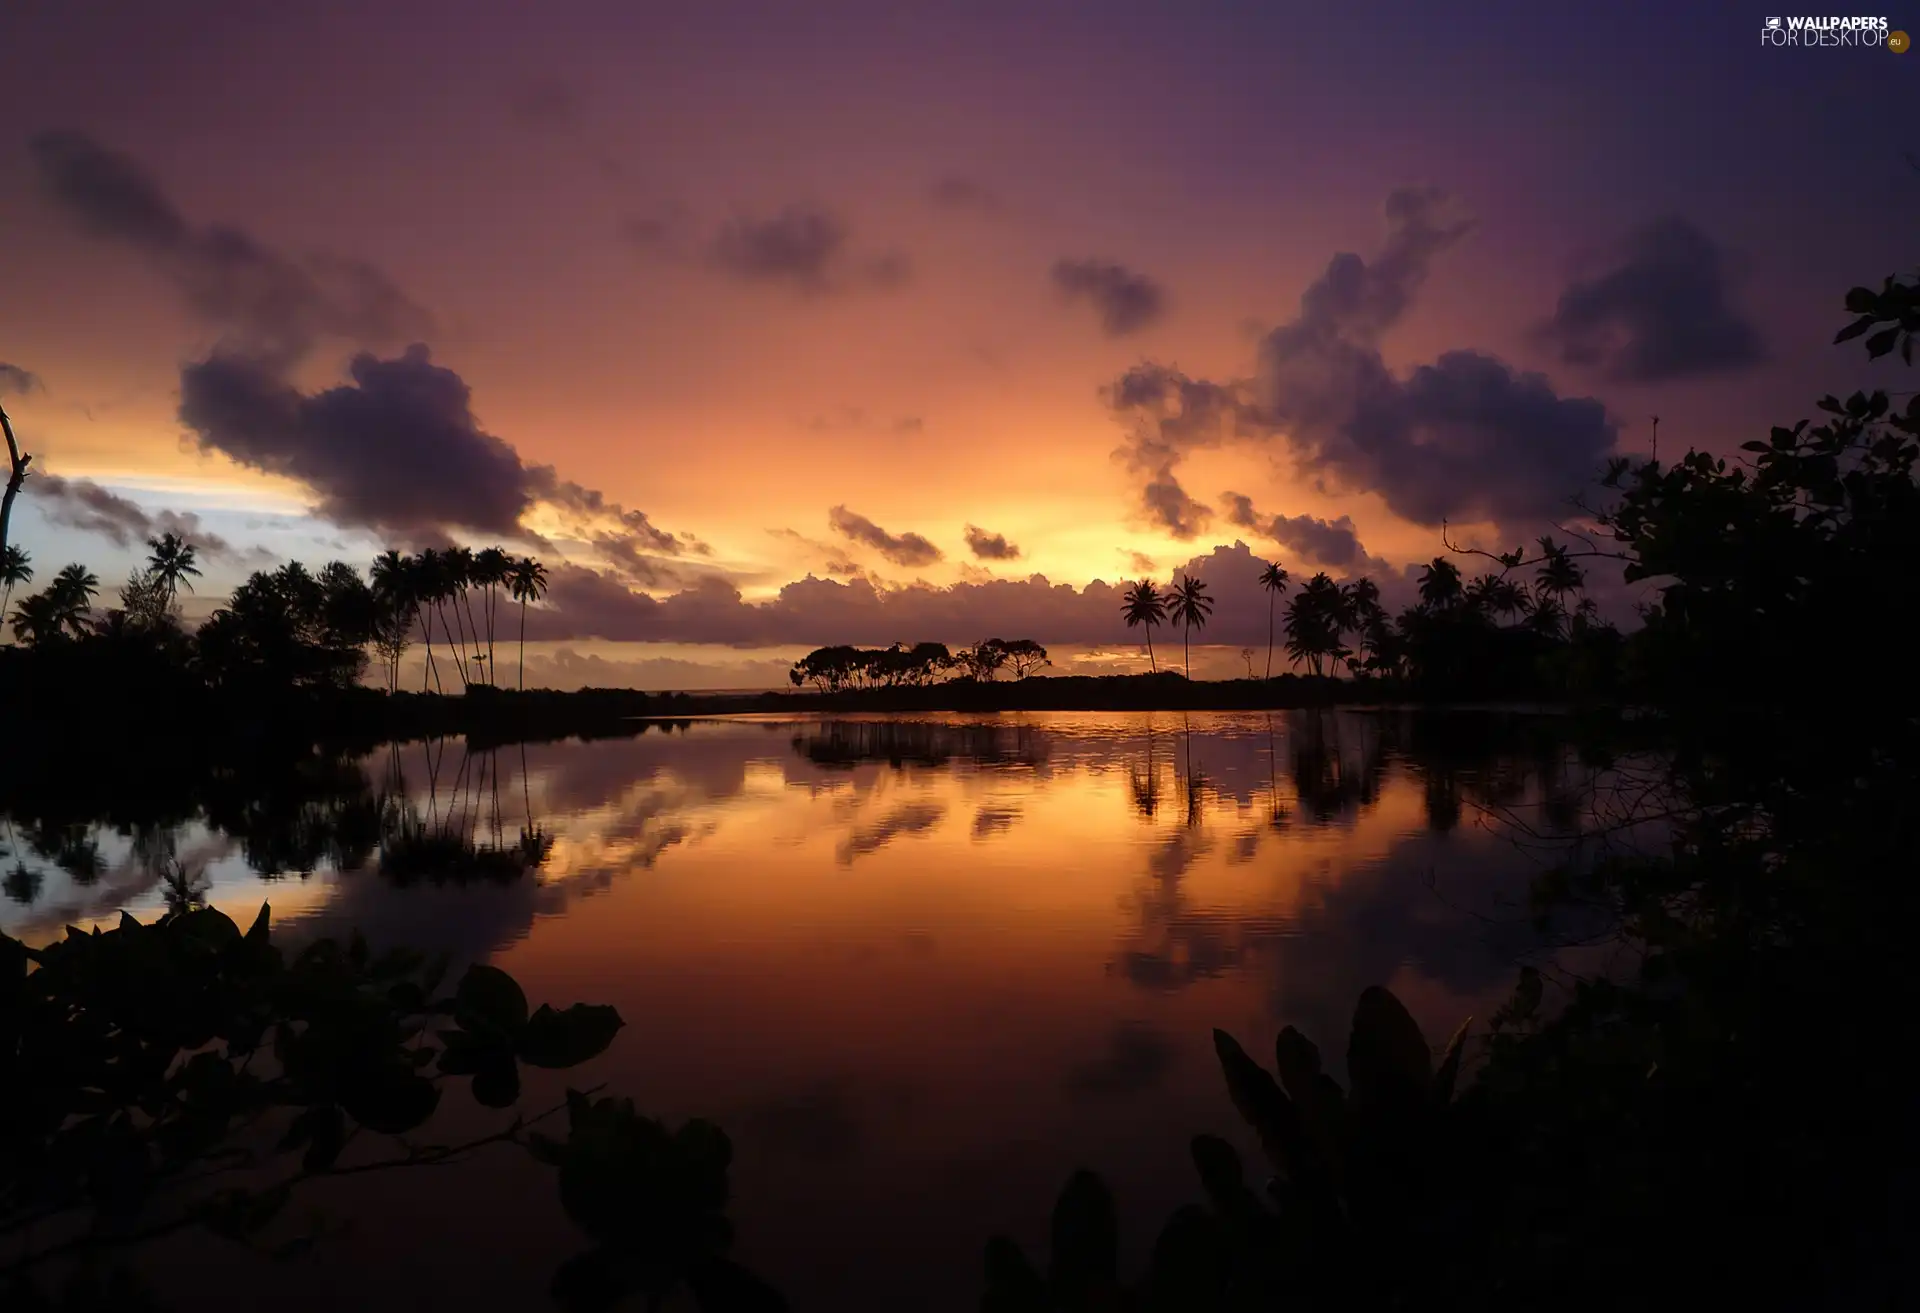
994, 818
906, 818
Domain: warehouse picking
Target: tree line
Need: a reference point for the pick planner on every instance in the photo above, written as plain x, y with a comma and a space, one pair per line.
839, 668
291, 625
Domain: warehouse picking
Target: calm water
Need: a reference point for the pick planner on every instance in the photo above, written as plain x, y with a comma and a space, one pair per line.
919, 969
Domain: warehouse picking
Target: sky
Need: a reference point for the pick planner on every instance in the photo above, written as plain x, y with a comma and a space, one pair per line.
770, 326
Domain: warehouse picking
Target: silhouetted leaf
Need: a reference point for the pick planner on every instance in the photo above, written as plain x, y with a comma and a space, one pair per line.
1880, 343
489, 999
566, 1039
391, 1100
1266, 1109
1855, 329
1086, 1238
496, 1083
1298, 1061
1443, 1080
1386, 1054
1191, 1263
1014, 1285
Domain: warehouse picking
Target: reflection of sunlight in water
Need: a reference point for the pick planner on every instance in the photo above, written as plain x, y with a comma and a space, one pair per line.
949, 957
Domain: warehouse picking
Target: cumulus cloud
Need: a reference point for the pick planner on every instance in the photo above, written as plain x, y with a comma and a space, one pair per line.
1332, 543
270, 304
990, 546
802, 249
17, 380
908, 549
1661, 310
1125, 301
1466, 438
84, 505
1138, 562
397, 449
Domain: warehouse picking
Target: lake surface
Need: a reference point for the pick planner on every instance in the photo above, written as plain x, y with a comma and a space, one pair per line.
919, 968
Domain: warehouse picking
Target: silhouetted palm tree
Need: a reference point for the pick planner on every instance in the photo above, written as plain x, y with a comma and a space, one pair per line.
527, 581
490, 570
1440, 583
1557, 574
73, 591
16, 568
1143, 605
1274, 580
171, 563
1191, 606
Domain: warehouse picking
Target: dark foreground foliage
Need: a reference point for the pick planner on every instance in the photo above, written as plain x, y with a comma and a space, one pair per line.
144, 1067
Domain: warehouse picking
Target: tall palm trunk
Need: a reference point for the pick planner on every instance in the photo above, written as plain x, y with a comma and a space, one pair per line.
1186, 649
523, 646
458, 647
1270, 597
431, 671
466, 597
490, 615
1152, 665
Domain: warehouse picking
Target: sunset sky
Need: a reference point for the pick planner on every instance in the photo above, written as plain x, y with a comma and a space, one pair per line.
775, 325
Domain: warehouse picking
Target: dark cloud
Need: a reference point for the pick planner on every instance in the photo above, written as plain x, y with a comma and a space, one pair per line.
1138, 1059
957, 192
1126, 301
1661, 311
1465, 438
994, 819
269, 304
84, 505
803, 249
1334, 543
854, 419
991, 546
908, 549
1138, 562
397, 449
17, 380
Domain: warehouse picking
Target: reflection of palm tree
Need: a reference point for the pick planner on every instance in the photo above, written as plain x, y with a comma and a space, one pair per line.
528, 583
1190, 608
1146, 787
1143, 605
1274, 580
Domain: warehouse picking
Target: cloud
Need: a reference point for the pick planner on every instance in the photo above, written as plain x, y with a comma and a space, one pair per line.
991, 546
397, 450
1126, 301
957, 192
84, 505
1334, 543
269, 304
1466, 438
17, 380
854, 419
1661, 311
1138, 562
908, 549
584, 603
803, 249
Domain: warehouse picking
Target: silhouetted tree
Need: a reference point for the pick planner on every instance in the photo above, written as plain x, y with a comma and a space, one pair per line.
171, 561
1143, 605
1190, 608
1274, 580
527, 581
16, 568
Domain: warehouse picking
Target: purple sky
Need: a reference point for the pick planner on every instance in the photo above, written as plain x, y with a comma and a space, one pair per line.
921, 301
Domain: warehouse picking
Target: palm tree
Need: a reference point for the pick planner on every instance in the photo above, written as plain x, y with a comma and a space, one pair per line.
16, 567
527, 581
1191, 606
1315, 618
73, 591
1274, 580
1440, 583
1143, 605
490, 570
171, 563
1557, 574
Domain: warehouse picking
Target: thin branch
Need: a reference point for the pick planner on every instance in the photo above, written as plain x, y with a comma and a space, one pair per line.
16, 475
